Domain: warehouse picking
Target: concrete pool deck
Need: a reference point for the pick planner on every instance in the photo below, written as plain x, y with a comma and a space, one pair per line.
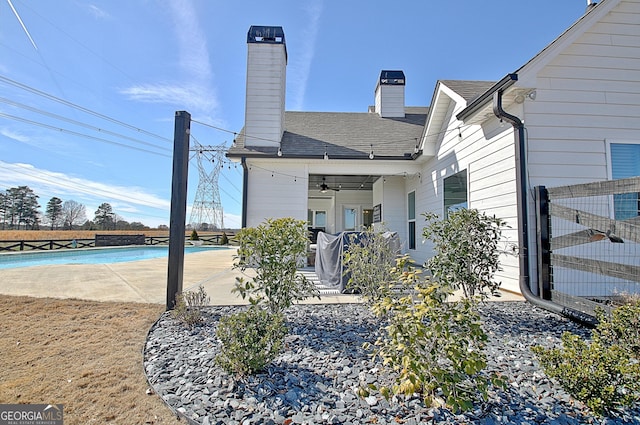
142, 281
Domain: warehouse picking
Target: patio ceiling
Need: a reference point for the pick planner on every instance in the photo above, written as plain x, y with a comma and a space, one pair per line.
342, 182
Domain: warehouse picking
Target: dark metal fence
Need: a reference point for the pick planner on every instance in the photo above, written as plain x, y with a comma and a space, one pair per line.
53, 244
589, 243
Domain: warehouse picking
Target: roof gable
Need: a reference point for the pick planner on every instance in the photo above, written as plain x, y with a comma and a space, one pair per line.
447, 95
477, 111
527, 72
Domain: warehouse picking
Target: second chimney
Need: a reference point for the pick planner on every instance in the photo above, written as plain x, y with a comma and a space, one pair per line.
389, 95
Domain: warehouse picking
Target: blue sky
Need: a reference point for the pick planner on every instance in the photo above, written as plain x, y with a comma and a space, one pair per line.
89, 91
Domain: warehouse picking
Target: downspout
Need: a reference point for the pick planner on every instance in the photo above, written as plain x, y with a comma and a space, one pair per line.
523, 217
245, 194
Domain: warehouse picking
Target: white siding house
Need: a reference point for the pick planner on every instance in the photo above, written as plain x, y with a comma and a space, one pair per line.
576, 99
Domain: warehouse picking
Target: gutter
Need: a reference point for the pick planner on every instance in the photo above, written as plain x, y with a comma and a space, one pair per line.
481, 101
523, 215
361, 157
245, 195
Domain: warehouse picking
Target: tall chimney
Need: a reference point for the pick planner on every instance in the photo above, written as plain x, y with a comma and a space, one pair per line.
266, 86
390, 94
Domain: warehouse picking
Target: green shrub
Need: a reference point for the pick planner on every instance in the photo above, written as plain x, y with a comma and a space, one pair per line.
188, 307
250, 340
224, 239
466, 251
623, 328
368, 261
432, 345
275, 249
603, 374
194, 235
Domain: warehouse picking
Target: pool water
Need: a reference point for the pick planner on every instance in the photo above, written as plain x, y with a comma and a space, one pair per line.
91, 256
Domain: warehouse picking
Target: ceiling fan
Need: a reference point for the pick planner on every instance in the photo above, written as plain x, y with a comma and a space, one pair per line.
324, 187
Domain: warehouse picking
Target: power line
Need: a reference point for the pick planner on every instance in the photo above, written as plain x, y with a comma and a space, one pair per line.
78, 42
78, 107
76, 187
75, 133
78, 123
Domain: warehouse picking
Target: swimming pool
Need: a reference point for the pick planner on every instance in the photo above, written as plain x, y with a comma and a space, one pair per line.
91, 255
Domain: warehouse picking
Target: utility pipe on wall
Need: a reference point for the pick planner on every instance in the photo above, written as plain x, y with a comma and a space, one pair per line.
523, 216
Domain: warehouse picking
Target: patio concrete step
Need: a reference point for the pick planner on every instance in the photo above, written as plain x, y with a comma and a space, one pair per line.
310, 274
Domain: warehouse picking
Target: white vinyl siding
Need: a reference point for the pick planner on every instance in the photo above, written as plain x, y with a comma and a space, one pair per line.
390, 193
488, 156
588, 93
265, 186
390, 100
265, 97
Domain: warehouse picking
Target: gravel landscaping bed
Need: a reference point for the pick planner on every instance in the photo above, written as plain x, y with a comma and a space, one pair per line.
314, 380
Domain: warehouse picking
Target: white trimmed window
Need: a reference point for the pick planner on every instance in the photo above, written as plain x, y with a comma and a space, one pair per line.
411, 218
317, 219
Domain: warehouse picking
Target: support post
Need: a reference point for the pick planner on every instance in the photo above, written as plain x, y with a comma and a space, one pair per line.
178, 217
544, 245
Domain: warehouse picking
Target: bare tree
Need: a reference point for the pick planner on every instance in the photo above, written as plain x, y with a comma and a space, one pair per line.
73, 214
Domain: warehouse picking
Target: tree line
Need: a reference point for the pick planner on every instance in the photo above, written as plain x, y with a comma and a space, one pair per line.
19, 210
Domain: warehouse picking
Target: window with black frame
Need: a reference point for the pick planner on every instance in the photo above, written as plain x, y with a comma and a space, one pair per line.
455, 192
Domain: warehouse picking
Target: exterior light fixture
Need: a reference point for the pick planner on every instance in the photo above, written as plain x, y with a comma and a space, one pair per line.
279, 151
371, 155
326, 155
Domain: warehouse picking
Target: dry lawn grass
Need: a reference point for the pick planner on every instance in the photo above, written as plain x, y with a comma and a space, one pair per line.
34, 235
86, 355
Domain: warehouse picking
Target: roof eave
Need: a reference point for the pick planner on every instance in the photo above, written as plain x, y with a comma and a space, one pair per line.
363, 157
486, 97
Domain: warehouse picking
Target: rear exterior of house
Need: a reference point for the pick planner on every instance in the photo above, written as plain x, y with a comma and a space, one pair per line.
578, 101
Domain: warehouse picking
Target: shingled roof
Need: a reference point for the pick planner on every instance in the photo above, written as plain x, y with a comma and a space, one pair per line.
343, 135
468, 89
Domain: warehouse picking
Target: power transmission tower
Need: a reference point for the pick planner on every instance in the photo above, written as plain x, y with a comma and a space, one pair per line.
207, 208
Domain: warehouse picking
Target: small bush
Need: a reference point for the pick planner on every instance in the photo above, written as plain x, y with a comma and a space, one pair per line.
250, 340
602, 374
368, 262
194, 235
224, 239
275, 249
466, 251
623, 328
188, 307
434, 347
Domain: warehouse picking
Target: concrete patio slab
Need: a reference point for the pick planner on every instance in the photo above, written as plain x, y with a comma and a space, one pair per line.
143, 281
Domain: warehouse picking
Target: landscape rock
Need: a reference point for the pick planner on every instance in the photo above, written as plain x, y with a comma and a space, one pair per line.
315, 380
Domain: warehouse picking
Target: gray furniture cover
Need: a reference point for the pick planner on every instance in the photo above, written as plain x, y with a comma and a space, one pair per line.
329, 254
